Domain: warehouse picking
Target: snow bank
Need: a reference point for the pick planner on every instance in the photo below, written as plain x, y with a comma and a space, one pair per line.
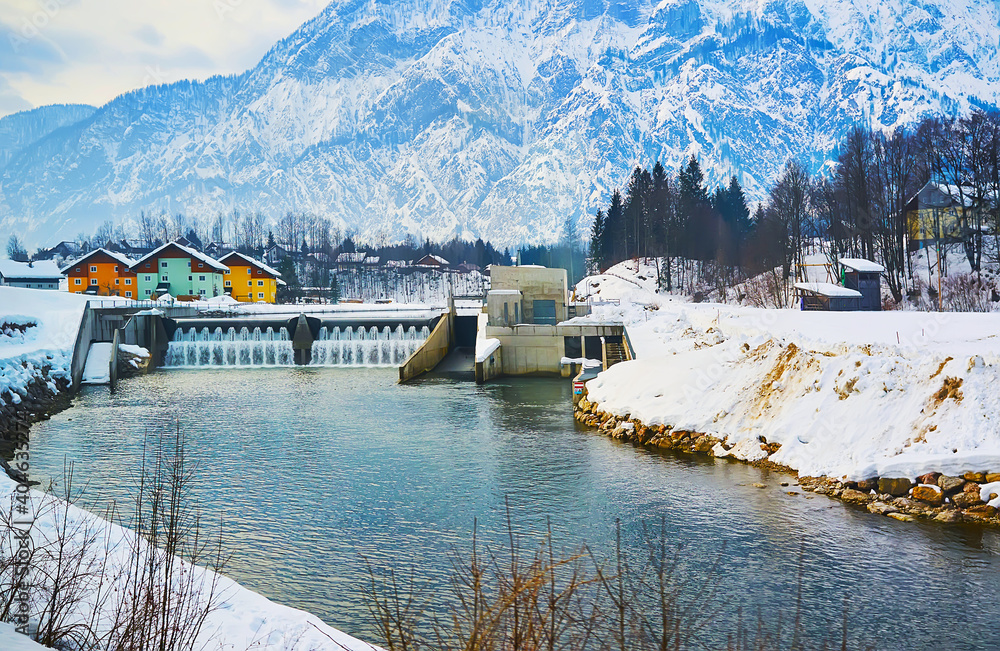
52, 321
245, 619
11, 640
849, 394
485, 348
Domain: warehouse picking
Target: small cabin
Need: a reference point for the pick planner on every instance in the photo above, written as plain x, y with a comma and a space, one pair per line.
827, 297
864, 276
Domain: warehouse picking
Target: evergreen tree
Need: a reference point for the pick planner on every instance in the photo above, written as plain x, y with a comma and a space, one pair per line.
270, 239
613, 242
334, 289
597, 248
694, 212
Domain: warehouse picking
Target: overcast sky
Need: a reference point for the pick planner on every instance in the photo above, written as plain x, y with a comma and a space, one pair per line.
90, 51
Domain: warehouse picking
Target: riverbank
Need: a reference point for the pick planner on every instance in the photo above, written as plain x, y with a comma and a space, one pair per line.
896, 410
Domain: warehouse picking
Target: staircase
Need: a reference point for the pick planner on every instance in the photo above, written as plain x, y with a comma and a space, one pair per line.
614, 352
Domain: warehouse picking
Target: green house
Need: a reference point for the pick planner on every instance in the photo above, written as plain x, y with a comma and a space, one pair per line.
179, 271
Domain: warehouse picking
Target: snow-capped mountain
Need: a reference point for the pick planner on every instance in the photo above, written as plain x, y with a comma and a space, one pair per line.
504, 118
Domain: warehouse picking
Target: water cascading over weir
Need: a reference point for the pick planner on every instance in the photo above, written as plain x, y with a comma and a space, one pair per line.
300, 341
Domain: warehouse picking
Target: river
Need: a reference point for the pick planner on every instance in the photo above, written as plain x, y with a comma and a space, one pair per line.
313, 469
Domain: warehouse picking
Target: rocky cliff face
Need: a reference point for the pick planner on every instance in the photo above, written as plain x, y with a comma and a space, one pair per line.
503, 119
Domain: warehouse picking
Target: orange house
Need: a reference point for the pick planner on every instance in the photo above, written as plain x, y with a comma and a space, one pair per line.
102, 272
249, 280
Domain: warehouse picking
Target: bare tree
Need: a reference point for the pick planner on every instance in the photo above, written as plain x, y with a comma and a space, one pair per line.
16, 250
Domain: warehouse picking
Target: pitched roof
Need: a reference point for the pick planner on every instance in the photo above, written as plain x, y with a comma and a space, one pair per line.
862, 265
125, 260
828, 289
431, 260
38, 270
257, 263
189, 251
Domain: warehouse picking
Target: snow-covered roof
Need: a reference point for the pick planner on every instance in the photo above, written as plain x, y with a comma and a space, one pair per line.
189, 251
257, 263
397, 263
372, 260
860, 264
125, 260
828, 289
432, 259
355, 256
38, 270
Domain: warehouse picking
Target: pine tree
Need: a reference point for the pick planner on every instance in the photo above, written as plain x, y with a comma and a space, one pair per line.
597, 253
694, 212
613, 242
334, 289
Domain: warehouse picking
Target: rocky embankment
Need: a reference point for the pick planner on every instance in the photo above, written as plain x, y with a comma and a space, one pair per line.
45, 394
936, 496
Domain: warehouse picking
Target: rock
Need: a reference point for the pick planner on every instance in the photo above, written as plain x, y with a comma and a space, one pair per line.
982, 511
992, 477
704, 444
979, 477
906, 504
881, 508
948, 516
950, 484
894, 486
929, 478
867, 484
928, 493
971, 487
758, 485
784, 483
902, 517
966, 500
855, 496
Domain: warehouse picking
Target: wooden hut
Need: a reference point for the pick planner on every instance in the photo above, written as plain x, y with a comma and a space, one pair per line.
864, 276
827, 297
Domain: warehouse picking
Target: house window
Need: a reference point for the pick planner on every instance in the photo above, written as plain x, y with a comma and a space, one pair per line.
79, 281
93, 268
78, 270
162, 264
190, 278
93, 281
116, 281
189, 264
201, 292
201, 278
147, 265
250, 283
149, 279
148, 292
259, 272
229, 283
128, 281
260, 295
201, 265
128, 294
116, 268
260, 283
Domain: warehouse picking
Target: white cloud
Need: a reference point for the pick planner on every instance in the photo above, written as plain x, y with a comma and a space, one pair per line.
88, 52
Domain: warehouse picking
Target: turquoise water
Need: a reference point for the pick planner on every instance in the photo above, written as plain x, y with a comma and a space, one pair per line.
312, 470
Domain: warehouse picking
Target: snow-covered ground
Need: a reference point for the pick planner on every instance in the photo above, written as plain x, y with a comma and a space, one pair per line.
47, 323
846, 394
244, 620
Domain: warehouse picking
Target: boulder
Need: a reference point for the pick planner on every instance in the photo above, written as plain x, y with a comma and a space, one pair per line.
992, 477
902, 517
896, 487
855, 496
966, 500
704, 444
979, 477
929, 478
950, 484
867, 484
928, 493
881, 508
971, 487
982, 511
948, 516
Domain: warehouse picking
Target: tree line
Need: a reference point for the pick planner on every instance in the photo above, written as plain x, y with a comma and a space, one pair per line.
857, 208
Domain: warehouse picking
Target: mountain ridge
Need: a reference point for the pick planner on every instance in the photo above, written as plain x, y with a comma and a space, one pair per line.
504, 119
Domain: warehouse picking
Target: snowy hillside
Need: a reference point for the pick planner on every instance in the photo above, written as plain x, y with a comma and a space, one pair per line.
501, 119
21, 130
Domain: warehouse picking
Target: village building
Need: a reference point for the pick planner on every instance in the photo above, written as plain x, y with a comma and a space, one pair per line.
103, 273
349, 261
65, 250
432, 262
249, 280
938, 213
179, 271
41, 274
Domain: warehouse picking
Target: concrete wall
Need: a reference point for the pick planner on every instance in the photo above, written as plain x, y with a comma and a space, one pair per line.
539, 349
535, 284
504, 307
430, 353
83, 338
491, 367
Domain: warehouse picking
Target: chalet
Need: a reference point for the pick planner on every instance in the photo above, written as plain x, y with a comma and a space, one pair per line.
468, 267
938, 213
250, 280
371, 261
41, 274
430, 261
275, 254
65, 250
101, 272
179, 271
348, 261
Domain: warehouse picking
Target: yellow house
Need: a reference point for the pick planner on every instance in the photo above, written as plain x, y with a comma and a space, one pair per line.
938, 212
249, 280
